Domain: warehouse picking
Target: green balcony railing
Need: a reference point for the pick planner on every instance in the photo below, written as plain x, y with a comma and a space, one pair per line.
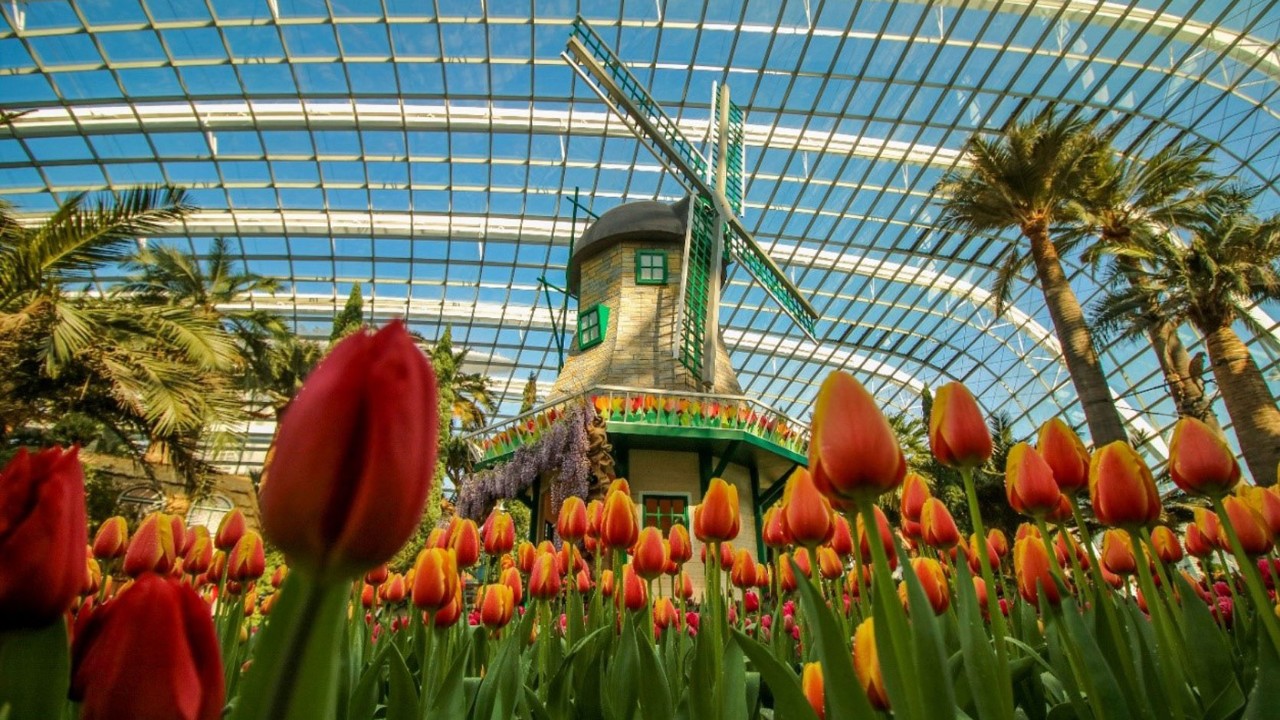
628, 407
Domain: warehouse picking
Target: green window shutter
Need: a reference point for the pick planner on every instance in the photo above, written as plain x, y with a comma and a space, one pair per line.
651, 267
593, 323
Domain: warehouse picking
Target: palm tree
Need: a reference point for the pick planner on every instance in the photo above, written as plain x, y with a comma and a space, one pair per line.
1231, 262
1127, 199
1026, 179
158, 372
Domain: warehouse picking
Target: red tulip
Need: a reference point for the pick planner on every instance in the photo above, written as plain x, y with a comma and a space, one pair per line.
465, 542
200, 553
1199, 460
937, 527
866, 664
571, 524
634, 593
650, 558
1029, 482
958, 431
595, 513
511, 578
278, 576
811, 684
618, 528
1166, 544
112, 539
435, 579
151, 548
544, 581
717, 519
525, 554
497, 603
246, 561
1196, 543
743, 570
378, 575
852, 448
998, 542
1061, 448
395, 589
829, 564
665, 614
584, 581
1033, 571
230, 528
915, 490
499, 533
42, 537
786, 574
933, 579
1250, 528
679, 549
354, 456
150, 654
886, 538
808, 514
1121, 488
776, 533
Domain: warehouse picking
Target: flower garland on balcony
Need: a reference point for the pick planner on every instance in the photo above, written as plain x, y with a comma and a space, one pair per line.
561, 451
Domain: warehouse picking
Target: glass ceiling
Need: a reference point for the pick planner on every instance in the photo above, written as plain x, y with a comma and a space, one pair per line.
428, 151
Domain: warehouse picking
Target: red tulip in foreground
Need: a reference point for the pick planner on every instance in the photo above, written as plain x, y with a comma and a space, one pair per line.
112, 539
150, 654
42, 537
811, 683
1029, 483
852, 450
354, 456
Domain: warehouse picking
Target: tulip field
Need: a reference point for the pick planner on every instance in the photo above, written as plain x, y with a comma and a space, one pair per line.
1094, 608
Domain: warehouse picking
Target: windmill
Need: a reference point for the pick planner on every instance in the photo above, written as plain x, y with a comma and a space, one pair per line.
715, 188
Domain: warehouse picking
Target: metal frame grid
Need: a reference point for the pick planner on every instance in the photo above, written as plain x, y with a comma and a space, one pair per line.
423, 149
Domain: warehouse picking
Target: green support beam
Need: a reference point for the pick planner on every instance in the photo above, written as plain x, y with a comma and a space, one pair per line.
704, 471
775, 488
724, 461
757, 509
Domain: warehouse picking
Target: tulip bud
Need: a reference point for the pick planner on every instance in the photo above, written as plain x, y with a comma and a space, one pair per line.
112, 539
852, 449
743, 570
435, 579
584, 581
1166, 544
618, 528
1196, 543
354, 456
937, 527
808, 513
998, 542
246, 561
595, 513
1062, 450
378, 575
151, 548
1029, 483
1121, 488
679, 549
751, 601
1117, 553
717, 518
572, 522
230, 529
180, 542
886, 538
525, 553
465, 541
1250, 528
1032, 570
499, 533
92, 577
775, 531
167, 627
544, 580
914, 492
42, 537
650, 558
200, 553
786, 574
866, 664
829, 563
1199, 460
811, 684
934, 582
958, 431
606, 583
497, 603
665, 614
634, 591
511, 578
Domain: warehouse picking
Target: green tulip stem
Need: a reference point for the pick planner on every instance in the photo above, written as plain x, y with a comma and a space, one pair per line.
1251, 578
1166, 581
1077, 572
998, 628
1167, 647
1051, 551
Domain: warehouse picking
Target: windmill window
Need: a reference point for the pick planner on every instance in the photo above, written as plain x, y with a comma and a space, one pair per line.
209, 512
593, 323
663, 511
139, 501
651, 267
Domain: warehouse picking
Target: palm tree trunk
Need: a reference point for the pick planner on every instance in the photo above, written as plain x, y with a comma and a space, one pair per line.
1073, 334
1249, 402
1185, 384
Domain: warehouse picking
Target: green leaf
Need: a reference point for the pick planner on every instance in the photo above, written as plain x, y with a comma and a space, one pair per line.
845, 696
735, 683
450, 699
624, 692
1210, 663
35, 671
655, 695
1101, 679
1265, 696
402, 696
980, 661
500, 688
363, 699
294, 675
930, 661
788, 696
537, 711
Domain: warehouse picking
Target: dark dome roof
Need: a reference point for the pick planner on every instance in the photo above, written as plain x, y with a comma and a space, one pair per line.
642, 220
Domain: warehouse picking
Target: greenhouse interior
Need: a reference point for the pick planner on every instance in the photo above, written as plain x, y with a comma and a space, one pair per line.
408, 359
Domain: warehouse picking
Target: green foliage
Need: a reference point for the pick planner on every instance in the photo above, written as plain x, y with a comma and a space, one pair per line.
351, 318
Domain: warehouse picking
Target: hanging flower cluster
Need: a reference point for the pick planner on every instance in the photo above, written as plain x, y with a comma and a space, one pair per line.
560, 451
